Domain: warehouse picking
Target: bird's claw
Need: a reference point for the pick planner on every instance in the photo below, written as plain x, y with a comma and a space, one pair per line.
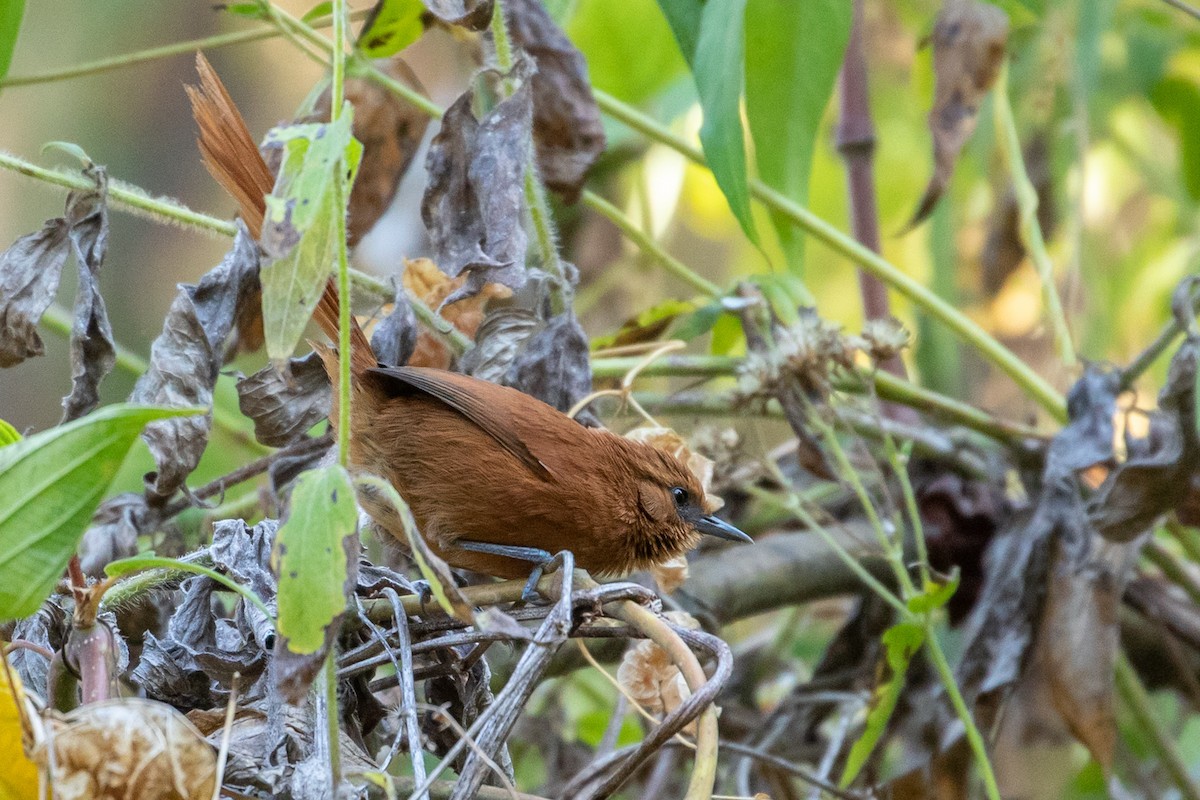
530, 592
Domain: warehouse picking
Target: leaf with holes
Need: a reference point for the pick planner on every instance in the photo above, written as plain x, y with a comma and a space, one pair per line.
50, 483
310, 558
298, 230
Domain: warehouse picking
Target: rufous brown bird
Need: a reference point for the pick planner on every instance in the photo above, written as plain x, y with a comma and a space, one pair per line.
497, 481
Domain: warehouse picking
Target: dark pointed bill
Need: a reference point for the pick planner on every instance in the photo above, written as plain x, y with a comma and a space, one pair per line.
714, 526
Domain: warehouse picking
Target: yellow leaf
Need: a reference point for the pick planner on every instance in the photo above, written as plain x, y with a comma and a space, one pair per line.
19, 778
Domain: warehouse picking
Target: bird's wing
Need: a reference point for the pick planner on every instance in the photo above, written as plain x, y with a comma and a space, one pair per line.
457, 392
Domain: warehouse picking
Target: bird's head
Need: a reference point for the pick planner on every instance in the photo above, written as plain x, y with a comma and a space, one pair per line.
672, 510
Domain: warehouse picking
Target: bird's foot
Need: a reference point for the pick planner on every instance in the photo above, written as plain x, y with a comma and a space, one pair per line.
552, 563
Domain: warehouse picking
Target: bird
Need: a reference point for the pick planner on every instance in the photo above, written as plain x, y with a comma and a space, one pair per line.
498, 481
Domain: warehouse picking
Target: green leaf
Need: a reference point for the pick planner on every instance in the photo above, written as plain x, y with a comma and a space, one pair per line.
711, 37
50, 483
309, 556
395, 26
248, 10
8, 434
323, 9
11, 12
786, 292
699, 322
299, 230
934, 595
793, 54
901, 643
1177, 100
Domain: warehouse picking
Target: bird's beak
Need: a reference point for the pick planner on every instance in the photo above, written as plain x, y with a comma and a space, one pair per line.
714, 526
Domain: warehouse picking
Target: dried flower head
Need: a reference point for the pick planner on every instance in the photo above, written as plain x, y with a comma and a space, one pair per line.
650, 679
883, 339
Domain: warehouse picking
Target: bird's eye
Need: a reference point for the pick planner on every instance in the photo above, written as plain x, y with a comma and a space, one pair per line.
681, 495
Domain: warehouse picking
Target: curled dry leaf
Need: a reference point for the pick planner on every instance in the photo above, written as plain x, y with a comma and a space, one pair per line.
472, 14
670, 575
1077, 647
1004, 251
499, 339
185, 360
395, 338
649, 677
567, 130
92, 351
473, 207
126, 748
968, 49
554, 365
671, 442
423, 279
390, 131
285, 404
30, 271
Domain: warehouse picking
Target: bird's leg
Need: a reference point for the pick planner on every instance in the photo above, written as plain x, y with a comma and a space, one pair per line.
542, 560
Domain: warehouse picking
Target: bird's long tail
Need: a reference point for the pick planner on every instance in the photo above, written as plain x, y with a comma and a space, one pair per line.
234, 161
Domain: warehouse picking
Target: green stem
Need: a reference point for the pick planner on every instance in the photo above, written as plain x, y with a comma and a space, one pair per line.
648, 246
1134, 694
892, 546
124, 196
887, 387
1031, 231
794, 506
154, 53
337, 94
967, 329
974, 737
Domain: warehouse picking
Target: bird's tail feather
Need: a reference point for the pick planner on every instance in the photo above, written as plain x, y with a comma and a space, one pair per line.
233, 159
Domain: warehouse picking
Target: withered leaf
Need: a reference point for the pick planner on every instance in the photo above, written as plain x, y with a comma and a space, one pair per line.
285, 404
503, 334
1156, 473
1077, 646
48, 629
555, 366
968, 48
114, 532
566, 120
395, 337
473, 207
472, 14
390, 131
92, 350
186, 357
201, 650
29, 274
1003, 251
423, 279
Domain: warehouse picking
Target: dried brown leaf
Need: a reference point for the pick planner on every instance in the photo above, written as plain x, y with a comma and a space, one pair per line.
566, 120
92, 351
185, 360
555, 366
968, 48
423, 279
1077, 647
29, 274
284, 405
395, 338
390, 131
471, 14
127, 748
473, 206
651, 679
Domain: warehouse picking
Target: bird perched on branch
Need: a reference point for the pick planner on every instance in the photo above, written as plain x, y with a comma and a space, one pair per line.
497, 481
